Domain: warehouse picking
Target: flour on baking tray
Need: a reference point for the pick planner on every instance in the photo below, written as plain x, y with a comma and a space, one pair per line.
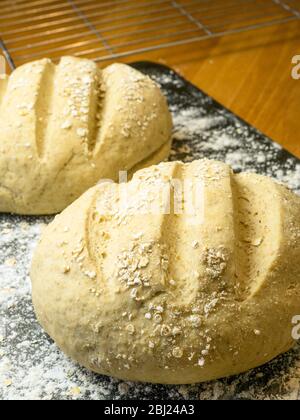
32, 367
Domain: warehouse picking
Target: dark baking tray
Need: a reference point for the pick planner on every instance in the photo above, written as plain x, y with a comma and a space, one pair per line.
182, 95
37, 369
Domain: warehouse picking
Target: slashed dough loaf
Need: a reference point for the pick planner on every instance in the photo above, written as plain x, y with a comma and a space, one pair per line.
63, 127
197, 294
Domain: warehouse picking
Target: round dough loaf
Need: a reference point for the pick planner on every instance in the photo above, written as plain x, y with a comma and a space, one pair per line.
184, 297
64, 127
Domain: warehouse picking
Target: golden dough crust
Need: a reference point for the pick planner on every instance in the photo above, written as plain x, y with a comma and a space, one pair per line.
173, 298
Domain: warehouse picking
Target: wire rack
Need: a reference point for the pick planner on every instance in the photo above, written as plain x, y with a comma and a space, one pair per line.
109, 30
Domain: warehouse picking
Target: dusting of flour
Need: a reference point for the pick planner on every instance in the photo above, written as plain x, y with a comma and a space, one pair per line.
32, 367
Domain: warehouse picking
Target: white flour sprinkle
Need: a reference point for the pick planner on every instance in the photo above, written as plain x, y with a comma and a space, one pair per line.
216, 137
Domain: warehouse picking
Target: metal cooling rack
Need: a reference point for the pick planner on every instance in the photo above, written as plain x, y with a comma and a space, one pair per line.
108, 30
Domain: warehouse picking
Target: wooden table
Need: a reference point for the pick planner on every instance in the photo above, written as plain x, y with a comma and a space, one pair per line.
250, 73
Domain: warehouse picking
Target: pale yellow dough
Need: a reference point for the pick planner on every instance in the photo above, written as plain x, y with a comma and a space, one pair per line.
176, 298
64, 127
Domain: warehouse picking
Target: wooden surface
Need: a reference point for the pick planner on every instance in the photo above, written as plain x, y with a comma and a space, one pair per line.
250, 72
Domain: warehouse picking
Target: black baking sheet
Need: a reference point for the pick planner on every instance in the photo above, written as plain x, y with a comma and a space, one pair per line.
31, 366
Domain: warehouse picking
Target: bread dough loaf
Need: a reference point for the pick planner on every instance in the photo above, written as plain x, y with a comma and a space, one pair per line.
175, 298
64, 127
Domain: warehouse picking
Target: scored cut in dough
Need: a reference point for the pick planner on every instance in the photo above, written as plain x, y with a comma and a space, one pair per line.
65, 127
173, 298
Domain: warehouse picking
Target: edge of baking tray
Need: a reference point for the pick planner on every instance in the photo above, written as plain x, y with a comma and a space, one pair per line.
140, 65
